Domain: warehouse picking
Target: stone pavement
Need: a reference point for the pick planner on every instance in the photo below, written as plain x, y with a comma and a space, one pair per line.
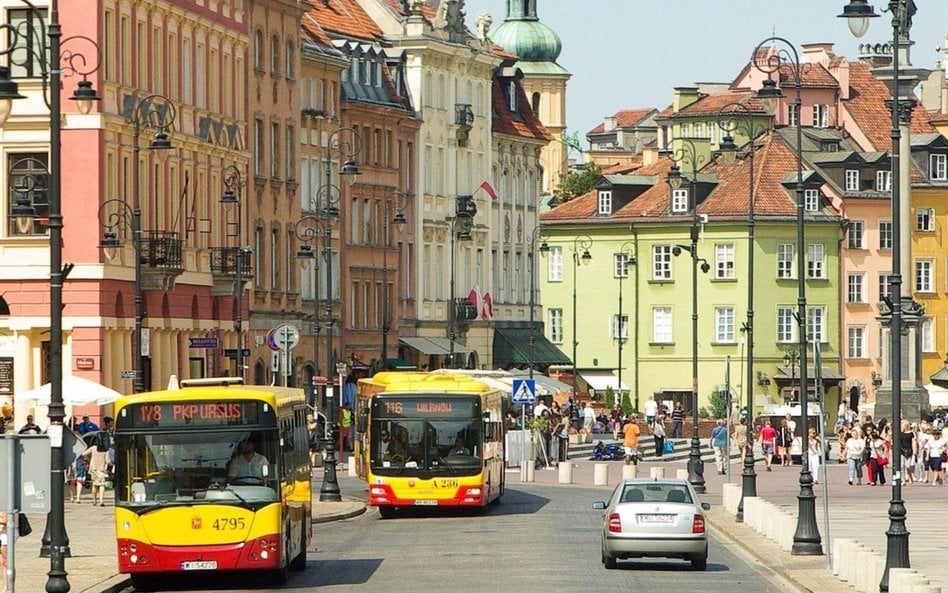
854, 512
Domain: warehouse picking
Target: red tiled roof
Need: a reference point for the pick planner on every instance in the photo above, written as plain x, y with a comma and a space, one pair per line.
425, 9
723, 103
345, 17
625, 118
527, 126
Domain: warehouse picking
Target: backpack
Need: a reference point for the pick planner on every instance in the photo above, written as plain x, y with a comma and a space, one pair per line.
103, 441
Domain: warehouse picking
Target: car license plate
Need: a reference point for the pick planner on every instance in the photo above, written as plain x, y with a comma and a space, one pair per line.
200, 565
656, 518
426, 503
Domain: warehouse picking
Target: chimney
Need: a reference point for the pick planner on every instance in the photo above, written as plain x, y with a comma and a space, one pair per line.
610, 123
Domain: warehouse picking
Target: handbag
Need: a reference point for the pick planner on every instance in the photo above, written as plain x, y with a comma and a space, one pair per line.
882, 461
23, 525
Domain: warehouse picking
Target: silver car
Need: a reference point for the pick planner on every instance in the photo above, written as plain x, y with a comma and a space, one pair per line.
654, 518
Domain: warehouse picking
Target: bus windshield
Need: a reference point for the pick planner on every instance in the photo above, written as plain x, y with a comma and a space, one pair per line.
166, 467
450, 445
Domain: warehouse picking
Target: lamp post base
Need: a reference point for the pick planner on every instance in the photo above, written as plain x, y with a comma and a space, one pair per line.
748, 481
897, 541
329, 491
696, 466
806, 539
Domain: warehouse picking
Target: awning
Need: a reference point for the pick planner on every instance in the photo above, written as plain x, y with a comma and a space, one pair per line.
513, 346
545, 385
399, 364
827, 374
602, 380
436, 346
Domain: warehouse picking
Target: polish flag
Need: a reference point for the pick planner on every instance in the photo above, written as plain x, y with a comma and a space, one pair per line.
487, 311
476, 300
486, 186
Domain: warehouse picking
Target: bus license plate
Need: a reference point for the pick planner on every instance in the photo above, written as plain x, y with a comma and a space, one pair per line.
426, 503
200, 565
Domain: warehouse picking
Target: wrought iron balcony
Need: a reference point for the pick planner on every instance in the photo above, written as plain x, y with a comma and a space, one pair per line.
161, 259
464, 310
464, 120
224, 268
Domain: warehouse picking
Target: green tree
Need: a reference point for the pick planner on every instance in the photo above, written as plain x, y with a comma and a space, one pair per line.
718, 403
626, 403
577, 183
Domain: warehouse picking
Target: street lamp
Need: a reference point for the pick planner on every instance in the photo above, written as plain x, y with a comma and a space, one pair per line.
52, 62
345, 142
790, 359
399, 221
624, 258
233, 186
462, 223
806, 538
543, 248
583, 242
858, 13
687, 152
728, 151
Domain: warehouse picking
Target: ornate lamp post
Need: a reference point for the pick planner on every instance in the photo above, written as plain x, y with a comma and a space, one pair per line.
858, 13
233, 186
345, 142
687, 152
543, 248
790, 359
52, 63
399, 221
624, 258
583, 242
462, 223
728, 151
806, 539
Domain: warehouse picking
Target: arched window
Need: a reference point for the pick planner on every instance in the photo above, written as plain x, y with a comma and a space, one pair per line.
290, 55
258, 50
535, 104
275, 55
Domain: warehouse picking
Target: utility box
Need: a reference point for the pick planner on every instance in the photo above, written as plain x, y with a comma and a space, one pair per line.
28, 493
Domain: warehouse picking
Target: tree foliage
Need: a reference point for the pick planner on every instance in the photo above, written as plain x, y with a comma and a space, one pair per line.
577, 183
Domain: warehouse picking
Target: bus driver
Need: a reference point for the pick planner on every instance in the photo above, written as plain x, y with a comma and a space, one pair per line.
248, 463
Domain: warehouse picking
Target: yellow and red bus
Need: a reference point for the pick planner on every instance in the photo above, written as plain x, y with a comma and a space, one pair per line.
190, 495
430, 439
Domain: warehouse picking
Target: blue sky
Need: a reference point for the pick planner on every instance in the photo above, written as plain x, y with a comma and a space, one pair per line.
632, 53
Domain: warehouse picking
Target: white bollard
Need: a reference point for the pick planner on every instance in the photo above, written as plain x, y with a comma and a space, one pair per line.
566, 473
656, 473
352, 465
681, 474
630, 472
752, 511
530, 473
839, 543
899, 579
601, 474
730, 497
926, 589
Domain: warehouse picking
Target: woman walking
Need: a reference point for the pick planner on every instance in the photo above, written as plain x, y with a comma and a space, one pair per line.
936, 449
878, 458
814, 452
855, 445
768, 442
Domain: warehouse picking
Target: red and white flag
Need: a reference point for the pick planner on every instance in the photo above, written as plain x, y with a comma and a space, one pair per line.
487, 311
487, 187
476, 300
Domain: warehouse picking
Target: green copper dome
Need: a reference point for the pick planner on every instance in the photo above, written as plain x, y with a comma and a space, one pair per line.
531, 40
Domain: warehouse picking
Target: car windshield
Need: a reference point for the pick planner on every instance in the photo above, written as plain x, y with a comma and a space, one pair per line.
655, 492
438, 446
237, 466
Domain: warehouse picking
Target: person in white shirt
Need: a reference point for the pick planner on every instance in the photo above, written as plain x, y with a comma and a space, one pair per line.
651, 410
589, 416
539, 408
248, 463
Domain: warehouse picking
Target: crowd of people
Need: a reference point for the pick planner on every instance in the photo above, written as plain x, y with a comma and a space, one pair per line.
867, 448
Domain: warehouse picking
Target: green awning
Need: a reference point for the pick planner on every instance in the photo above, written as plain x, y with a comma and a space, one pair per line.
399, 364
522, 345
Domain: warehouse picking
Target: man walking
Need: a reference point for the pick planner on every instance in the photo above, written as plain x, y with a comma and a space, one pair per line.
630, 441
719, 445
678, 421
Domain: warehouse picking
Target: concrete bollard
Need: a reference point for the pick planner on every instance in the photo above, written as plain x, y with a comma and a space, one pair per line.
601, 474
913, 582
926, 589
751, 511
873, 565
681, 474
731, 497
566, 473
351, 468
837, 547
530, 473
787, 526
899, 579
630, 471
656, 473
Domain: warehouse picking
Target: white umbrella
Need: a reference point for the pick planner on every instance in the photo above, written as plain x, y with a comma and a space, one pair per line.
76, 392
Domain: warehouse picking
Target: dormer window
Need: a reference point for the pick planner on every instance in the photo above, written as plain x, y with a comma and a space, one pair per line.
829, 147
605, 202
512, 96
852, 179
811, 200
679, 201
793, 114
938, 167
884, 181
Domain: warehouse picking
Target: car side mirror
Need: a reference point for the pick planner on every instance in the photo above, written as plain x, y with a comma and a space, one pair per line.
706, 506
600, 505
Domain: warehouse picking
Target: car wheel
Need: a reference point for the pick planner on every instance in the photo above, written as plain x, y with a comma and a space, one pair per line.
386, 512
608, 560
699, 563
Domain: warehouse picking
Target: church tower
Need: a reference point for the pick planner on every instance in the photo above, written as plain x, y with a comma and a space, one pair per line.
544, 81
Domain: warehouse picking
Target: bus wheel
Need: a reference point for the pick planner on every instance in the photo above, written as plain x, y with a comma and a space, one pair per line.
299, 562
280, 576
144, 581
387, 512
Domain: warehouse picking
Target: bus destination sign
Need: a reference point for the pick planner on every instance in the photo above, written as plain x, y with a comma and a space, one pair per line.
421, 407
190, 414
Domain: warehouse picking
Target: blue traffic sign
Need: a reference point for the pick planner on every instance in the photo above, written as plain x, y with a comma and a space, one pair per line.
524, 391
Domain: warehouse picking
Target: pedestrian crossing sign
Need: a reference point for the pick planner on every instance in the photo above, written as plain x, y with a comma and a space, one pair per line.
524, 391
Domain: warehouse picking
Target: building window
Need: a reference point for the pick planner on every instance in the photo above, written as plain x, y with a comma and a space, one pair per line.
855, 234
290, 153
852, 179
724, 261
556, 326
928, 335
686, 130
816, 324
885, 287
621, 262
925, 219
938, 167
724, 324
785, 325
661, 262
820, 115
274, 150
554, 268
699, 129
275, 260
856, 288
885, 234
856, 348
29, 180
661, 325
884, 181
274, 55
29, 43
793, 114
679, 201
815, 261
811, 200
924, 276
785, 261
258, 50
605, 202
620, 327
258, 148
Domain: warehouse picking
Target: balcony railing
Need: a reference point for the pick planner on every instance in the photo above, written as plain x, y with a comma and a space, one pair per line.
161, 259
464, 310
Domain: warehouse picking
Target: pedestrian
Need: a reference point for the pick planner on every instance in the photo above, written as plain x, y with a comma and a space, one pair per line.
315, 433
30, 427
719, 445
936, 449
630, 441
855, 445
767, 440
76, 476
86, 426
651, 410
740, 436
658, 434
98, 456
878, 458
784, 442
589, 416
561, 436
907, 452
616, 422
345, 434
678, 421
814, 452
